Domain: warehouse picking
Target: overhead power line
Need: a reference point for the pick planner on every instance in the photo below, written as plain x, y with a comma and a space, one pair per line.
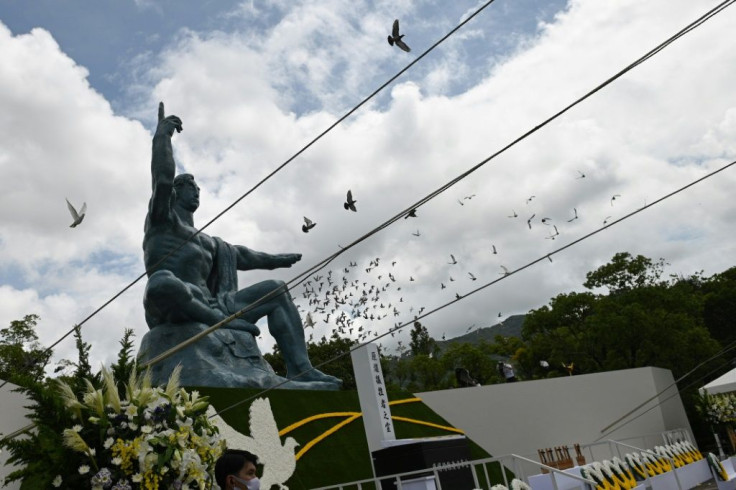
699, 21
484, 286
271, 174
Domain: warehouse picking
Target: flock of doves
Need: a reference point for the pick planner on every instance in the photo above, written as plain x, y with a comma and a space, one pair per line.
347, 302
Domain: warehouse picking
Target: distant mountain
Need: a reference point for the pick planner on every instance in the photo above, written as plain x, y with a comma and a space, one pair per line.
510, 327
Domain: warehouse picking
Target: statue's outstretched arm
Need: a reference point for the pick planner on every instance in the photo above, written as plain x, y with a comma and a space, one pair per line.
163, 167
250, 259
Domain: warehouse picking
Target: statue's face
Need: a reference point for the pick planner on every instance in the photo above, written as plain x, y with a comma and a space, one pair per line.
187, 196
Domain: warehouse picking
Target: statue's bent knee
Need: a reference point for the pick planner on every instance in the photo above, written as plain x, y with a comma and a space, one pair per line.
278, 286
164, 289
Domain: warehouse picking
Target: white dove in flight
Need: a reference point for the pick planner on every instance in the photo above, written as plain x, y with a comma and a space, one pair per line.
78, 216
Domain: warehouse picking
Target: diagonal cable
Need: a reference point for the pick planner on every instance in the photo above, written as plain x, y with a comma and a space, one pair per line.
271, 174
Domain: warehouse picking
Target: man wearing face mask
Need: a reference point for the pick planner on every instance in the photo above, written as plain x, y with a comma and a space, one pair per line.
236, 470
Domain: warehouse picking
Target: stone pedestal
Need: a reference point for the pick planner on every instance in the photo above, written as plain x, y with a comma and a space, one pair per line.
225, 358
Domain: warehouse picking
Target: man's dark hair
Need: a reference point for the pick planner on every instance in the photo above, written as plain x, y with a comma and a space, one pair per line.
231, 462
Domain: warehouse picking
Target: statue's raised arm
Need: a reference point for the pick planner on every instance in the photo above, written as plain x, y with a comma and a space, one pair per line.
163, 168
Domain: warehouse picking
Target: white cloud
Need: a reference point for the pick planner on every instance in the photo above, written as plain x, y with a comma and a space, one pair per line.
241, 99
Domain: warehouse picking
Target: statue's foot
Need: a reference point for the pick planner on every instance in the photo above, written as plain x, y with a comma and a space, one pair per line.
317, 375
243, 326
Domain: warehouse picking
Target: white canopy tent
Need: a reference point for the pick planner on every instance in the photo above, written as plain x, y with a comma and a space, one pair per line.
724, 384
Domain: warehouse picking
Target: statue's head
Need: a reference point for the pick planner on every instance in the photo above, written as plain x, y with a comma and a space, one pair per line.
187, 192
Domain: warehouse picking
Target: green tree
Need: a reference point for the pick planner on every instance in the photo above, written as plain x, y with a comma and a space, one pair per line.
428, 373
335, 352
476, 358
719, 309
625, 272
644, 321
22, 358
421, 343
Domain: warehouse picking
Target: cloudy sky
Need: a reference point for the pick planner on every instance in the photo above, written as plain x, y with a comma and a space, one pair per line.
255, 81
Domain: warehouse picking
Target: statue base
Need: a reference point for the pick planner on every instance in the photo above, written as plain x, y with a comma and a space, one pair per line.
224, 359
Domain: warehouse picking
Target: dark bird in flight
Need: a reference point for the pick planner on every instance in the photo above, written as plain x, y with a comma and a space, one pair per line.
442, 286
505, 271
549, 258
605, 221
581, 176
469, 197
350, 202
460, 202
453, 260
530, 199
544, 220
457, 296
529, 221
513, 215
308, 225
472, 277
552, 236
574, 217
395, 37
416, 234
614, 198
494, 249
411, 214
78, 216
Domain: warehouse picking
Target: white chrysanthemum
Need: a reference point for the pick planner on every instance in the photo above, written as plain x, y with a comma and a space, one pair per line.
84, 469
77, 428
57, 481
108, 443
117, 460
146, 429
519, 485
132, 426
137, 478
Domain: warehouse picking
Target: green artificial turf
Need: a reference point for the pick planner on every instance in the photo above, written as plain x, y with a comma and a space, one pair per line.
343, 456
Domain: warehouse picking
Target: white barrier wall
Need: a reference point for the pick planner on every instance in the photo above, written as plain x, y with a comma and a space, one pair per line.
12, 418
525, 416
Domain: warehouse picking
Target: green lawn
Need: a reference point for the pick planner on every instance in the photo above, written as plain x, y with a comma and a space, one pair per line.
342, 456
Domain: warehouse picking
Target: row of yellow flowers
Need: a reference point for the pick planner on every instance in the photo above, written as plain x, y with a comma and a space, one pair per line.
616, 474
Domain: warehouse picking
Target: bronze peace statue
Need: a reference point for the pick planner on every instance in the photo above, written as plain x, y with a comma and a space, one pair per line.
195, 285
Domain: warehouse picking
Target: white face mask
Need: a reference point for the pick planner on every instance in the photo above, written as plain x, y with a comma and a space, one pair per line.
252, 484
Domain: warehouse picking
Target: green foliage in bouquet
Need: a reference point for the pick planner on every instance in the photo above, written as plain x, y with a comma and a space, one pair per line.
115, 431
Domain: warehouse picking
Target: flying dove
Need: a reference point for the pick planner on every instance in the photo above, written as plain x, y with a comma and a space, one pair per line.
308, 225
395, 37
78, 216
350, 202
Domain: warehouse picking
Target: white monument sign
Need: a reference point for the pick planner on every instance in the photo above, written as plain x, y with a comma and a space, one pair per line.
373, 397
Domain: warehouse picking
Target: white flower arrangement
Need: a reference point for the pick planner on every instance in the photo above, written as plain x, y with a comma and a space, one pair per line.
515, 485
720, 408
153, 438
